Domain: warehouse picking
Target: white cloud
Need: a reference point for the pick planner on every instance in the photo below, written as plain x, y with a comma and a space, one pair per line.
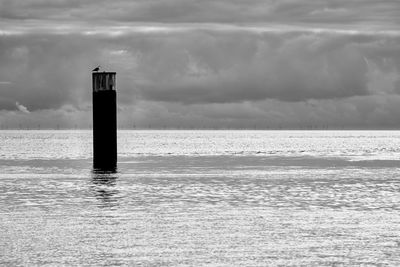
22, 108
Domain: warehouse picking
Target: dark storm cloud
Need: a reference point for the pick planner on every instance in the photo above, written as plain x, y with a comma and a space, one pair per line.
198, 66
47, 71
44, 71
220, 11
205, 61
251, 68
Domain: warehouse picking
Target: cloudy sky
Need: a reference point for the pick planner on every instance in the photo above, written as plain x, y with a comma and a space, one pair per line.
208, 63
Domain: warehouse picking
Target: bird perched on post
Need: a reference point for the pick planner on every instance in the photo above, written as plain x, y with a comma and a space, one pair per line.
97, 68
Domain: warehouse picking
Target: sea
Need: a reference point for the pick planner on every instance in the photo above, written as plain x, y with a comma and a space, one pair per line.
201, 198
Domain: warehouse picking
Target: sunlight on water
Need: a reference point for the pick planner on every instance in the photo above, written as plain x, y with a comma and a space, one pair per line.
245, 198
357, 145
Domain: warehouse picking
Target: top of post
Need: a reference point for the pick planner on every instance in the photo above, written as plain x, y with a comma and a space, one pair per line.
96, 71
104, 73
103, 81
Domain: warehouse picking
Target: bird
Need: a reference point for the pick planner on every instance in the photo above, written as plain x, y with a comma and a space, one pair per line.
97, 68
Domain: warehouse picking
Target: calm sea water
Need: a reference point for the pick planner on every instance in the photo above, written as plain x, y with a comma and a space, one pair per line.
202, 198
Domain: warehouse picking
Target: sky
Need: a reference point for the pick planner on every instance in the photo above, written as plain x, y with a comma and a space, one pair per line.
203, 64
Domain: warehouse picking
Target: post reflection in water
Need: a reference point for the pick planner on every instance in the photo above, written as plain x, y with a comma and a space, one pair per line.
104, 187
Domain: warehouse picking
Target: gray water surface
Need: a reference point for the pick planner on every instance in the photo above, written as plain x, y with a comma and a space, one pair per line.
201, 198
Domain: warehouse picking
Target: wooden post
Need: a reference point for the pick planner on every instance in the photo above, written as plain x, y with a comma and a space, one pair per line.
104, 121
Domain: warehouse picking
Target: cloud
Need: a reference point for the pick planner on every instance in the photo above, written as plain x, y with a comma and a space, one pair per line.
210, 68
47, 71
211, 62
64, 117
373, 111
329, 12
22, 108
